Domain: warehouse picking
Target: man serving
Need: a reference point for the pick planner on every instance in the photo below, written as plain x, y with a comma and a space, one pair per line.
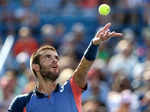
48, 95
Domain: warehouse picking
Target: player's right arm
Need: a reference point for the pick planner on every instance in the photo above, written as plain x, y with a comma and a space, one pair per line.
80, 74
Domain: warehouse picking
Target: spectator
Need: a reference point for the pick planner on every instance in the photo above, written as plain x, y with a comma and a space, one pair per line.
25, 43
122, 96
92, 106
7, 89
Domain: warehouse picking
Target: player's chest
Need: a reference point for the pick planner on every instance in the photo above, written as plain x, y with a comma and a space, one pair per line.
56, 103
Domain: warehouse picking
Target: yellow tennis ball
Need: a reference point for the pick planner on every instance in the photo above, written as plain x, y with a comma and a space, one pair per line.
104, 9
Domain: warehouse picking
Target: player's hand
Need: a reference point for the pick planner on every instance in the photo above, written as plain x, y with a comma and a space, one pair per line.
104, 34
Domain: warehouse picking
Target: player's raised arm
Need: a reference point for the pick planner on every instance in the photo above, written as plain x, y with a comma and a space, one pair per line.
80, 74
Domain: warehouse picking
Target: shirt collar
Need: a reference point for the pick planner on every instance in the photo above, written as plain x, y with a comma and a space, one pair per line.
41, 95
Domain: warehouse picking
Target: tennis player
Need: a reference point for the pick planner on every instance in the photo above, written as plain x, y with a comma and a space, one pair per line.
48, 95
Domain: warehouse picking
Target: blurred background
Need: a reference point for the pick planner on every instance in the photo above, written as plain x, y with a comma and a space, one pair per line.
119, 80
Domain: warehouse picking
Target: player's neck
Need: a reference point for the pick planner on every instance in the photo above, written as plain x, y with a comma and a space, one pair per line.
46, 87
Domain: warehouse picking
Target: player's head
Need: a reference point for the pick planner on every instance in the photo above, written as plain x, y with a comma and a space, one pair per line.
45, 62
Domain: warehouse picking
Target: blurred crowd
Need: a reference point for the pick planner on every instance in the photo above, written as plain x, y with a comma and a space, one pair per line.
119, 79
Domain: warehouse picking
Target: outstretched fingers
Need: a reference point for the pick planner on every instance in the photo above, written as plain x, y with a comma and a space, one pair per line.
105, 33
109, 34
103, 30
106, 27
115, 34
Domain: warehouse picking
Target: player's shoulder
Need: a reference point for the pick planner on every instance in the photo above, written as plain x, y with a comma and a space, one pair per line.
19, 102
21, 98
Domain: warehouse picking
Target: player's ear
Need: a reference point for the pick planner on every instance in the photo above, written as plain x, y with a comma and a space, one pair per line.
36, 67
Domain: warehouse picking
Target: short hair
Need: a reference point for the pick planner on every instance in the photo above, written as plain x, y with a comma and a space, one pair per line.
121, 83
34, 59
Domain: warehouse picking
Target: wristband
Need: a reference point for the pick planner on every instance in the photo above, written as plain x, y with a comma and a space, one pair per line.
91, 52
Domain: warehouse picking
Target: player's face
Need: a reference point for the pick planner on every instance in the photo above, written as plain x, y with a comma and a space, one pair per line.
49, 68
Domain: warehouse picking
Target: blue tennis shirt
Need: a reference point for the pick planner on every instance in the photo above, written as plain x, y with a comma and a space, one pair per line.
66, 98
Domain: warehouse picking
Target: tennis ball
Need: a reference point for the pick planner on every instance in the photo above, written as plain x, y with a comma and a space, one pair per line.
104, 9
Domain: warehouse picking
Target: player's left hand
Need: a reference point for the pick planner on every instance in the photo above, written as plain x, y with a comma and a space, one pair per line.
104, 34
